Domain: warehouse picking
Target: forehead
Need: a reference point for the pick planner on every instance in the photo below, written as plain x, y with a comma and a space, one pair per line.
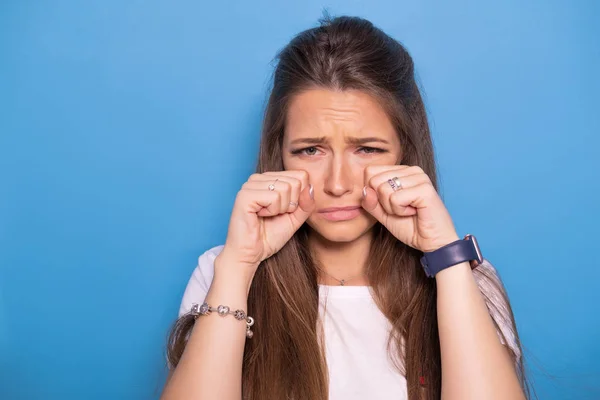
326, 111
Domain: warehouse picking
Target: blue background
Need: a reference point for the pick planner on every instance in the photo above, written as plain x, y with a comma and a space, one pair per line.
127, 128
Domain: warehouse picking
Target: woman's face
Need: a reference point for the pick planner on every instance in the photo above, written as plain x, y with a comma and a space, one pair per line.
334, 135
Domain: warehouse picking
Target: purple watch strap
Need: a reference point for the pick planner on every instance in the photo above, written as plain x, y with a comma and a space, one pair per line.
449, 255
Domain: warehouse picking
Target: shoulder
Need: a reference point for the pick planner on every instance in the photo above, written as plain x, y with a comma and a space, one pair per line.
200, 280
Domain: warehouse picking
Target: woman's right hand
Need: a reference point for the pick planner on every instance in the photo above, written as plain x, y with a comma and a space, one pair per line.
263, 220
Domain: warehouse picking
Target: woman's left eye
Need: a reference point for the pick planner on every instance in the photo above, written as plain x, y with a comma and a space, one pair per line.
371, 150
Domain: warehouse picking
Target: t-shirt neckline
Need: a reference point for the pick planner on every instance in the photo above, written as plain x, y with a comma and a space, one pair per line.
344, 291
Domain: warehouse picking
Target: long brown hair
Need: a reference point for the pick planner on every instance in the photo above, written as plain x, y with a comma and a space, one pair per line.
285, 359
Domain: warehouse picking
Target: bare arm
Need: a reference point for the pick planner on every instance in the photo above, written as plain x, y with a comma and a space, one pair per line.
211, 364
475, 365
268, 210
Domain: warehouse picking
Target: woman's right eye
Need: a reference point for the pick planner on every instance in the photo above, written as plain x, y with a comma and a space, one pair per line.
305, 151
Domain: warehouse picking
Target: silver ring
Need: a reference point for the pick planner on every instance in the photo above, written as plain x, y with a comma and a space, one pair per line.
272, 185
395, 183
293, 204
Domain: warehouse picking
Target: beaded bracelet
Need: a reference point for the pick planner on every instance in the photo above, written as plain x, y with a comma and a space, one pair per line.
240, 315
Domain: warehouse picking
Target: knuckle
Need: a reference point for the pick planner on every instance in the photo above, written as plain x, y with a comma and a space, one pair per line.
428, 188
416, 169
298, 177
296, 180
303, 175
276, 195
294, 183
371, 182
298, 186
287, 185
382, 187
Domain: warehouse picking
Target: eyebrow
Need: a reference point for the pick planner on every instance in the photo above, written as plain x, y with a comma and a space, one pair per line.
350, 140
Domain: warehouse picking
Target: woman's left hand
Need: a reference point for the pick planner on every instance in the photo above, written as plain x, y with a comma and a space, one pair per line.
414, 214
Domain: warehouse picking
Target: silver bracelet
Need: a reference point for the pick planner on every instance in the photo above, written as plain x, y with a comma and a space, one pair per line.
240, 315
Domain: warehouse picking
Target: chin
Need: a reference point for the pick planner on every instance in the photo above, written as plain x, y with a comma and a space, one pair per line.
341, 231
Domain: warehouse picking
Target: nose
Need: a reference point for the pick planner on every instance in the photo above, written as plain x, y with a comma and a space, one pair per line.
338, 177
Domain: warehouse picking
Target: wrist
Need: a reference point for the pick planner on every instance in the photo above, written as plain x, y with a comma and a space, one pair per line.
457, 270
454, 252
443, 242
234, 274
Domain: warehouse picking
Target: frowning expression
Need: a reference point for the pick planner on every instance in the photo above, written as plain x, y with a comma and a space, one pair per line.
334, 135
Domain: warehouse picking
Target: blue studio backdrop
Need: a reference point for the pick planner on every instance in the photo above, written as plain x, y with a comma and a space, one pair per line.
127, 128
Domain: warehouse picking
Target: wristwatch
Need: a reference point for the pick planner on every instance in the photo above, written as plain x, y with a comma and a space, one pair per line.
466, 249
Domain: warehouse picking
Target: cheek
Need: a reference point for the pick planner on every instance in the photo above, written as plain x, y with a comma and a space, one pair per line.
286, 163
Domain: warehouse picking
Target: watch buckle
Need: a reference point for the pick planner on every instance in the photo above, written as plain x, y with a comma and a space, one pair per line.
475, 263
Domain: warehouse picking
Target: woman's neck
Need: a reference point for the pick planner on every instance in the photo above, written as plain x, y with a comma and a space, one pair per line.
342, 261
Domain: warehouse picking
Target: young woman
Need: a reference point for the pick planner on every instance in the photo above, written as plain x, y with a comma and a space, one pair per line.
342, 275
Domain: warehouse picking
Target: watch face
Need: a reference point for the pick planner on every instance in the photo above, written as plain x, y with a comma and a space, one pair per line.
475, 263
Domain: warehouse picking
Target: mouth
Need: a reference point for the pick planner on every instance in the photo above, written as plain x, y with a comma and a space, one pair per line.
340, 213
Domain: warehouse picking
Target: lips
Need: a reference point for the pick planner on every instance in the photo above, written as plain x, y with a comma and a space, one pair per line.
337, 214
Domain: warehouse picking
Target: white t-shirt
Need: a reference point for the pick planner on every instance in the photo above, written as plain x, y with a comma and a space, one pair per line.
355, 333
